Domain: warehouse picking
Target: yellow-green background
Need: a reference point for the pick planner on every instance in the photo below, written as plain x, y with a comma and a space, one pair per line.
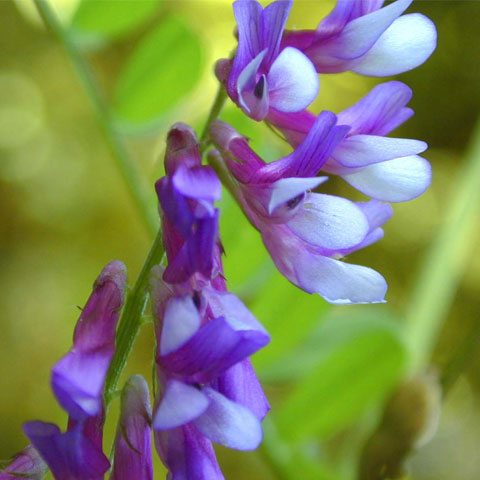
65, 212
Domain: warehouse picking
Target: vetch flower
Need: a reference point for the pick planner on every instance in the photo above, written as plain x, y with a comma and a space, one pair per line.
133, 450
381, 167
25, 464
261, 76
209, 390
72, 455
78, 383
363, 37
189, 219
305, 233
78, 378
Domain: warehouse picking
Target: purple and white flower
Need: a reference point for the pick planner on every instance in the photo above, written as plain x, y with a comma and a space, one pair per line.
305, 233
384, 168
262, 75
363, 37
189, 219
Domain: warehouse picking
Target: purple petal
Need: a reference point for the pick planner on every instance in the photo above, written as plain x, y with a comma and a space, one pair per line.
360, 34
228, 305
380, 111
229, 424
377, 214
287, 189
181, 403
274, 19
294, 126
133, 449
25, 464
180, 322
175, 206
336, 281
196, 254
344, 12
253, 96
78, 380
292, 81
240, 385
213, 349
408, 42
70, 455
187, 454
250, 36
397, 180
362, 150
329, 222
200, 183
309, 157
182, 148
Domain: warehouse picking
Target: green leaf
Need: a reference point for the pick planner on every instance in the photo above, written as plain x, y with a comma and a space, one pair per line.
110, 18
161, 70
359, 358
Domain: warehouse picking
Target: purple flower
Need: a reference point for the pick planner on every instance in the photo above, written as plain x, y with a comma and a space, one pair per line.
78, 382
25, 464
209, 390
200, 340
189, 219
187, 454
133, 450
78, 378
362, 37
306, 233
261, 76
72, 455
383, 168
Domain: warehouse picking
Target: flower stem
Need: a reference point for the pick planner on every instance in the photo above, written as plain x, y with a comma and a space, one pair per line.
217, 106
130, 320
131, 175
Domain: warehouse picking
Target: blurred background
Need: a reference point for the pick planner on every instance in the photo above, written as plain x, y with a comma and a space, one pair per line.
335, 376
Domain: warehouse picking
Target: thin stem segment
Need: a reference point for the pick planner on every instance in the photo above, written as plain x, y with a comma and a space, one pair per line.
131, 319
131, 175
217, 106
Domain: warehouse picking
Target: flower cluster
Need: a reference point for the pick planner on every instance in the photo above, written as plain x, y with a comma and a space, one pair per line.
207, 390
272, 78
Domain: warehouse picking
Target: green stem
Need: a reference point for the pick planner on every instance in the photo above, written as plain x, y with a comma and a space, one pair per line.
131, 319
217, 106
126, 164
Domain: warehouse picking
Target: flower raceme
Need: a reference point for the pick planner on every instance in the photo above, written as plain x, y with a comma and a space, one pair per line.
205, 335
305, 233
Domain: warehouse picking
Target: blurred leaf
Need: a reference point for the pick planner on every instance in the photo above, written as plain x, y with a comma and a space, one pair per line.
447, 259
359, 358
290, 461
110, 18
161, 70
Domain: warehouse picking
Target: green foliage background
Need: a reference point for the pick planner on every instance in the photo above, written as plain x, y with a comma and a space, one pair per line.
66, 212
